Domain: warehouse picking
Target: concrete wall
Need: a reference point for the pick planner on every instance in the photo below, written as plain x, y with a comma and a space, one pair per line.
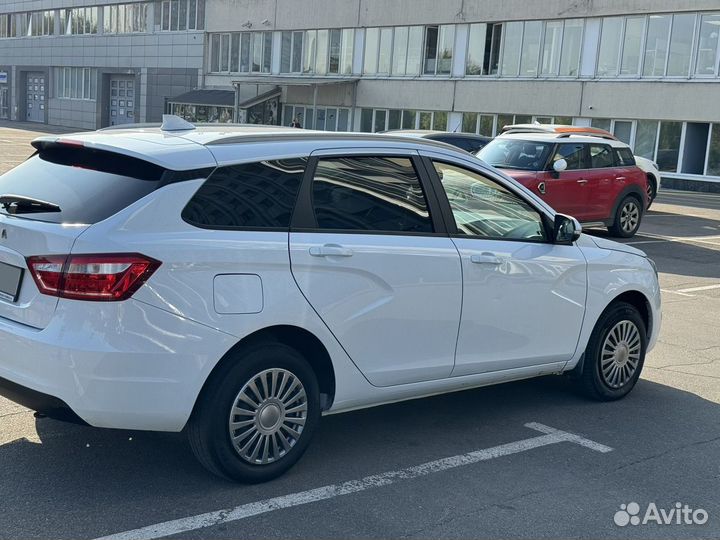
164, 83
74, 113
224, 15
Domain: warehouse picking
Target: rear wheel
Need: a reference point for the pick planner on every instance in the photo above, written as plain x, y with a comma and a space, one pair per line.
256, 417
615, 354
627, 218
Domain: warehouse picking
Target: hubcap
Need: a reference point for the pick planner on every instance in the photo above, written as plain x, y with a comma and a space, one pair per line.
620, 354
268, 416
629, 217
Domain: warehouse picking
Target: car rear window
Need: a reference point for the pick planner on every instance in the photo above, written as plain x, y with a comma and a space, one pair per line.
86, 185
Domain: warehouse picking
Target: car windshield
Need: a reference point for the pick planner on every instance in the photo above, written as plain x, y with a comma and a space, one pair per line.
516, 154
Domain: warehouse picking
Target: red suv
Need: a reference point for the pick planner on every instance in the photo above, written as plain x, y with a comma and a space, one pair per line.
584, 172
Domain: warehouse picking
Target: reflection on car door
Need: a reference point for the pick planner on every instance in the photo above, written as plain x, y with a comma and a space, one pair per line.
523, 296
567, 192
366, 256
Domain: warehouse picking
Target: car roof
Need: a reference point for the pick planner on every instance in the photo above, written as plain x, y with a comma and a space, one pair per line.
208, 145
559, 138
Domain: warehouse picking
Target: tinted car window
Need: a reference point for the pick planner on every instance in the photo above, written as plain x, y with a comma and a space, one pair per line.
252, 196
380, 194
516, 154
574, 154
624, 157
601, 156
484, 208
87, 185
468, 144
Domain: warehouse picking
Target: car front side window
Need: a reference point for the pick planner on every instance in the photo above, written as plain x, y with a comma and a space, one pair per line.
574, 154
484, 208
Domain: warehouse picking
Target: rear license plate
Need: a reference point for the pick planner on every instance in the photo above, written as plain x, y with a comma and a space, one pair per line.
10, 280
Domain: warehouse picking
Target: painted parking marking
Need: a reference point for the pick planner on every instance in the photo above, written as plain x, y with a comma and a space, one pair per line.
550, 436
698, 289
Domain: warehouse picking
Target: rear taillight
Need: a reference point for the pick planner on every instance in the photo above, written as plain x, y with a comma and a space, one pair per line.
98, 278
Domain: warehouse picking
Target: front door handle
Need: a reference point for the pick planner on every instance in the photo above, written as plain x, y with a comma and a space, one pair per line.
620, 178
582, 181
330, 250
486, 258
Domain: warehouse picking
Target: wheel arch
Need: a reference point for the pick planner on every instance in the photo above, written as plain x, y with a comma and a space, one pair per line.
634, 191
300, 339
639, 301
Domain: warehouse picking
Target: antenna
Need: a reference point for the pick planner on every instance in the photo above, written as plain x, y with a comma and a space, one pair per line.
175, 123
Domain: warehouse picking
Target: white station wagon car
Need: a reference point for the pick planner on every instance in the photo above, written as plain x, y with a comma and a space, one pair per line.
241, 281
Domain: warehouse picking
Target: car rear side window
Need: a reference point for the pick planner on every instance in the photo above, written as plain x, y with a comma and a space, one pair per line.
624, 157
601, 156
258, 195
374, 194
82, 185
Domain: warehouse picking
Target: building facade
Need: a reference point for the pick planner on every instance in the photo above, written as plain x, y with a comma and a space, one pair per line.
649, 71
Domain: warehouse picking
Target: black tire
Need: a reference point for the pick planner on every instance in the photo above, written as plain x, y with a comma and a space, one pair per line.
651, 191
628, 217
209, 428
592, 381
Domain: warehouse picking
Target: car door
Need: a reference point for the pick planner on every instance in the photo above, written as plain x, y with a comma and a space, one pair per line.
375, 262
523, 296
567, 191
603, 182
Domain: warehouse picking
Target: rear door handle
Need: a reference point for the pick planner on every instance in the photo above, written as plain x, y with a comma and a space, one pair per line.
486, 258
330, 250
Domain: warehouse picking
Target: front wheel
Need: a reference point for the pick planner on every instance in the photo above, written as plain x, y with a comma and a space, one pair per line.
615, 354
256, 417
627, 218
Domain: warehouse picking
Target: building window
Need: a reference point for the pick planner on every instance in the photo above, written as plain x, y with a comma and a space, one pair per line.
317, 52
532, 36
512, 45
656, 45
439, 45
7, 25
125, 18
38, 23
708, 45
610, 43
75, 83
376, 120
630, 60
79, 21
681, 42
668, 151
646, 138
178, 15
484, 43
378, 51
713, 164
241, 52
324, 118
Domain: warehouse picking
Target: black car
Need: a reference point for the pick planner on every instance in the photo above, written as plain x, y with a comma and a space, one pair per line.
469, 142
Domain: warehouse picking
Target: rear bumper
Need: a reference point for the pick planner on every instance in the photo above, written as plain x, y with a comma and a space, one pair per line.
123, 365
37, 401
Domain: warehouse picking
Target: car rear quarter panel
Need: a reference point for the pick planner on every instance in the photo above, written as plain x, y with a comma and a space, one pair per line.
192, 258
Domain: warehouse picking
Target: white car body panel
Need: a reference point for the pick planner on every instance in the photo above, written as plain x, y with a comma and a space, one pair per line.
141, 363
394, 304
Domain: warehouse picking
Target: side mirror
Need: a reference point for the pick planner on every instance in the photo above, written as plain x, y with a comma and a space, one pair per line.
560, 165
566, 230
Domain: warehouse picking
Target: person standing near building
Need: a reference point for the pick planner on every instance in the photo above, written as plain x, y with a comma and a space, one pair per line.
296, 123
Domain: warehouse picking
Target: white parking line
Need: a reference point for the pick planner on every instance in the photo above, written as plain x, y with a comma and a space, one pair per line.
698, 289
210, 519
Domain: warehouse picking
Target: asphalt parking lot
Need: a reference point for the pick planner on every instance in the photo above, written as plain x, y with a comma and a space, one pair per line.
502, 461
